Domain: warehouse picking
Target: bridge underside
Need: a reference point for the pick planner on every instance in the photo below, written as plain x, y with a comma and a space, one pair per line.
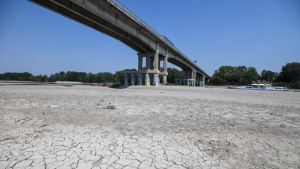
109, 18
73, 10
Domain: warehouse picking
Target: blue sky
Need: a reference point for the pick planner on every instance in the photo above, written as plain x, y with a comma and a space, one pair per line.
260, 33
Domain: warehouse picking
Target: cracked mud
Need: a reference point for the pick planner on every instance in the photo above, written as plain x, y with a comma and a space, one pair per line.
95, 127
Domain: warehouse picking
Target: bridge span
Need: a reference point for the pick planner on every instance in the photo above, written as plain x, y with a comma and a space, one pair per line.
112, 18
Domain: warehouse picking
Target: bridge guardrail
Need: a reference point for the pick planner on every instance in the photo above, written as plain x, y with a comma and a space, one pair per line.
124, 9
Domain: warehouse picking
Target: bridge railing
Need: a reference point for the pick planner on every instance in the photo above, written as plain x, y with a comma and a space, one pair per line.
134, 17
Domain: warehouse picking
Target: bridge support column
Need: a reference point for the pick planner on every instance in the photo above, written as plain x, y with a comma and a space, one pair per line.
125, 80
151, 63
156, 60
155, 79
193, 74
132, 79
140, 67
164, 79
148, 62
139, 80
147, 79
155, 66
203, 81
165, 67
140, 61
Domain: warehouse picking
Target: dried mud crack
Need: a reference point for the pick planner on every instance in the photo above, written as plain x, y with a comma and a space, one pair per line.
92, 127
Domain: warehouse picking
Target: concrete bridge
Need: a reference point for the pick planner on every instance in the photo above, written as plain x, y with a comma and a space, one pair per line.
113, 19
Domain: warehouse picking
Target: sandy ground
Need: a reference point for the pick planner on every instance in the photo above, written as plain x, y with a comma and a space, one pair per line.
148, 127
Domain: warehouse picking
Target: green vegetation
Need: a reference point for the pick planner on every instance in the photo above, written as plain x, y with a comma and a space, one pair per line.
234, 75
240, 75
268, 76
17, 76
225, 75
104, 77
174, 74
290, 74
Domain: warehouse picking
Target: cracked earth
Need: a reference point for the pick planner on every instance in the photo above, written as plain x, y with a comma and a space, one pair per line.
140, 127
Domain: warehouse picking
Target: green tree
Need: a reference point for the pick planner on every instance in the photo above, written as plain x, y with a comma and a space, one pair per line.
119, 77
107, 77
215, 80
25, 76
53, 78
290, 73
249, 76
174, 74
268, 75
75, 76
61, 76
40, 78
98, 78
234, 75
89, 78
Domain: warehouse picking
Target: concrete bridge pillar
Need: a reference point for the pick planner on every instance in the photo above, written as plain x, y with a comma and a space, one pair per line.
148, 60
147, 79
193, 74
155, 67
139, 79
203, 81
152, 62
140, 61
126, 80
132, 79
165, 68
164, 79
155, 79
148, 65
165, 65
156, 60
140, 67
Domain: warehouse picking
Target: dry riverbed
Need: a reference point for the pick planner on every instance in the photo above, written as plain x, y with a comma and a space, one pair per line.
147, 127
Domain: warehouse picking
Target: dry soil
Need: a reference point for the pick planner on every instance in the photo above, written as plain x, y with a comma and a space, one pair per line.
45, 126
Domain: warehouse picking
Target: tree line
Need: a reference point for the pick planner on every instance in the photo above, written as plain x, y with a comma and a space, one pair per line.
226, 75
103, 77
289, 76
